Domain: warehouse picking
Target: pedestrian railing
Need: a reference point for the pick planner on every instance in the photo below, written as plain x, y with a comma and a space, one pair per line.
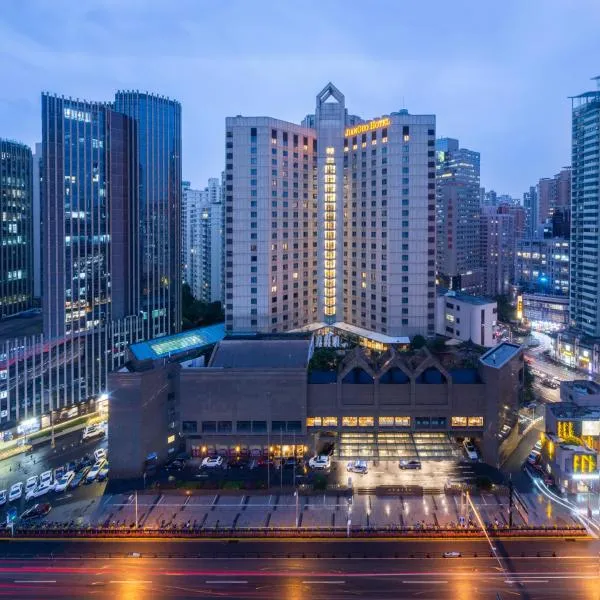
190, 531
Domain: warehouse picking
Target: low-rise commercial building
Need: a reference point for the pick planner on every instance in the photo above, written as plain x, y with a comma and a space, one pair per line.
466, 318
572, 439
574, 349
273, 395
544, 313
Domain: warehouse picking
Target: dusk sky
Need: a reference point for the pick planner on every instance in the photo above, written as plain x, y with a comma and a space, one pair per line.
496, 74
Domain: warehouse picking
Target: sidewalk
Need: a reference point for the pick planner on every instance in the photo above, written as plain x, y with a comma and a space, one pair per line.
10, 449
282, 510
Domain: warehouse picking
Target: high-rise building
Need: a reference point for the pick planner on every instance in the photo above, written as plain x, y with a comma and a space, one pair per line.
530, 204
459, 263
37, 171
542, 266
203, 235
554, 193
498, 250
585, 213
156, 224
331, 223
189, 199
16, 227
87, 189
111, 190
519, 214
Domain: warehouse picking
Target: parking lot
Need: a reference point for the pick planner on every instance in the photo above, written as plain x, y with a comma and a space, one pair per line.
70, 448
432, 474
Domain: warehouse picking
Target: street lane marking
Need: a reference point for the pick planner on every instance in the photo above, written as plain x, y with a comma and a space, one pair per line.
224, 581
426, 582
129, 581
323, 582
35, 580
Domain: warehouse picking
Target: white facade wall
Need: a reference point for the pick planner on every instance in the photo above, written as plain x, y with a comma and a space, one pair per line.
276, 217
202, 241
466, 318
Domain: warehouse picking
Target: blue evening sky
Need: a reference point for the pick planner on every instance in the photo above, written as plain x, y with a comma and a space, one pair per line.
496, 74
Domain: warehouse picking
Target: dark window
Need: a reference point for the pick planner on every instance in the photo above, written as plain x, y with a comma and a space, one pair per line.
243, 426
294, 426
189, 426
224, 426
209, 426
278, 426
422, 422
259, 426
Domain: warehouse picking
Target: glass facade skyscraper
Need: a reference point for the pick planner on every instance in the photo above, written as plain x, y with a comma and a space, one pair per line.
585, 213
156, 220
87, 192
16, 245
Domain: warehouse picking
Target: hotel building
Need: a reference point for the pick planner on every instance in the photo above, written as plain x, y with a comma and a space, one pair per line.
331, 223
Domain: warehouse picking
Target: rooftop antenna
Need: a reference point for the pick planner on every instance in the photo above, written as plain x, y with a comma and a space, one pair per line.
597, 80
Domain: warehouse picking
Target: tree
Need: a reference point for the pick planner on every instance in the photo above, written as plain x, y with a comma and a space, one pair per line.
418, 342
527, 384
197, 313
506, 312
324, 359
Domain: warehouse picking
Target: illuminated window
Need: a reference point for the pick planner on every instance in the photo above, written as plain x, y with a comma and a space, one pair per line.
475, 422
330, 421
366, 421
459, 421
386, 421
170, 439
450, 318
402, 421
349, 421
313, 421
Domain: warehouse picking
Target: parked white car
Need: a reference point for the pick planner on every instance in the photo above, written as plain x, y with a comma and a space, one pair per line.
470, 450
319, 462
93, 473
100, 454
357, 466
16, 491
3, 497
31, 483
210, 462
40, 490
63, 483
46, 478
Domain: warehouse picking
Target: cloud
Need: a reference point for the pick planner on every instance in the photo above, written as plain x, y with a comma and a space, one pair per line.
497, 75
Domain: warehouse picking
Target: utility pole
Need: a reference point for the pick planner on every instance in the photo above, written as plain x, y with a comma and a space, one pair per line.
268, 457
510, 501
136, 510
52, 441
297, 516
280, 457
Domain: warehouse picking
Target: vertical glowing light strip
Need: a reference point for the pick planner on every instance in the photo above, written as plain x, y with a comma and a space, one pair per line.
330, 234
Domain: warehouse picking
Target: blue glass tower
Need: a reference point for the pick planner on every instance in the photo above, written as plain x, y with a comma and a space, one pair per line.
16, 247
156, 235
87, 193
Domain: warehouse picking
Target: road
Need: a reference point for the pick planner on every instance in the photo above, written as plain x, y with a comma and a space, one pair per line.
396, 569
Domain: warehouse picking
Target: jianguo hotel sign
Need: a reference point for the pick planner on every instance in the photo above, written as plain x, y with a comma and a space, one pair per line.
369, 126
